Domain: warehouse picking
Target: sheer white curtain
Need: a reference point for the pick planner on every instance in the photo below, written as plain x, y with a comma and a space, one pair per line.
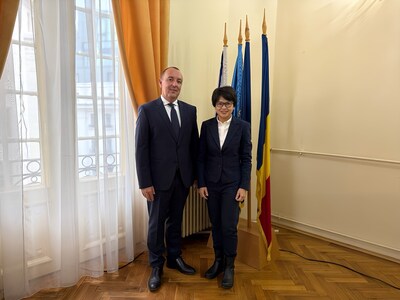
69, 202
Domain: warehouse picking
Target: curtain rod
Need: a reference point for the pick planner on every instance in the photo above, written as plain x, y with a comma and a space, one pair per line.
336, 156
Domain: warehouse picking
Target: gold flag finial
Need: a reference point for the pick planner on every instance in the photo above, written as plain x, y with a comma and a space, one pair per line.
247, 31
225, 37
264, 25
240, 38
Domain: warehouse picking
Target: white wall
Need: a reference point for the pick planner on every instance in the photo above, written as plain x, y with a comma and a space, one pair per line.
335, 70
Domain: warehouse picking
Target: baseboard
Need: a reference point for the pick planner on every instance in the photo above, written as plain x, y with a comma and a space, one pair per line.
340, 239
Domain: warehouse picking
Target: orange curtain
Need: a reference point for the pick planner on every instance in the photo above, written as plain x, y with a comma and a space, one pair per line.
8, 14
142, 29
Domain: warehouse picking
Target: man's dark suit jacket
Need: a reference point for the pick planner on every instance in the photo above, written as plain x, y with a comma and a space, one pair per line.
158, 153
230, 164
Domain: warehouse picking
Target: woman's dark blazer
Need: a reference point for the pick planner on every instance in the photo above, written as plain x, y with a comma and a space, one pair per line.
230, 164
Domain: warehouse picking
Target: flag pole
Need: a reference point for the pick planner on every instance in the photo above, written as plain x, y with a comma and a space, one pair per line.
264, 25
247, 36
225, 37
223, 71
240, 38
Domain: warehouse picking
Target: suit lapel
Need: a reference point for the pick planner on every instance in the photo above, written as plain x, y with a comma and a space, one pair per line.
214, 132
185, 122
164, 116
233, 128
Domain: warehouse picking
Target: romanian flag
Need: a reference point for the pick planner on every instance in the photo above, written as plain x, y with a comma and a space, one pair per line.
263, 191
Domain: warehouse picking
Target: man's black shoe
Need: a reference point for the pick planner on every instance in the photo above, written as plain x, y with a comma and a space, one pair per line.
181, 266
154, 282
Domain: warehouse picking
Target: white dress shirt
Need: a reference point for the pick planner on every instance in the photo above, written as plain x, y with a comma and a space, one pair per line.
168, 109
223, 128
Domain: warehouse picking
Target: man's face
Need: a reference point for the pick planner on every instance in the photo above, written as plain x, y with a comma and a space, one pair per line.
171, 83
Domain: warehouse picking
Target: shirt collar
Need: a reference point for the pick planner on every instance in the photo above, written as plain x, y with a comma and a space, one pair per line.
228, 122
166, 102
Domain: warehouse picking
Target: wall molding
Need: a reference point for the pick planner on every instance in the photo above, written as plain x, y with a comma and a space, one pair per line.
337, 238
334, 155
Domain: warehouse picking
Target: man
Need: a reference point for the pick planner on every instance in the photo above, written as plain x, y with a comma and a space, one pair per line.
166, 149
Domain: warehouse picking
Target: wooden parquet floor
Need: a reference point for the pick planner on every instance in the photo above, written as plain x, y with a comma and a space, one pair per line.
288, 277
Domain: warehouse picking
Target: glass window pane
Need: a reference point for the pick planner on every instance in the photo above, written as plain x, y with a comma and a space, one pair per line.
28, 68
30, 116
105, 73
31, 150
104, 39
86, 119
14, 152
83, 3
82, 42
16, 30
87, 147
12, 114
25, 19
83, 68
111, 118
83, 78
103, 5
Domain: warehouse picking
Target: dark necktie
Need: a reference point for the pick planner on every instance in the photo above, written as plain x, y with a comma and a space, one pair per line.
174, 120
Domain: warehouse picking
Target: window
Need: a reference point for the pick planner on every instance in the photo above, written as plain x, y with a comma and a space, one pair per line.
60, 146
26, 91
97, 91
98, 104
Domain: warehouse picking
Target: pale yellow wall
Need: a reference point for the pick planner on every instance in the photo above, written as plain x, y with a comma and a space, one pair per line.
196, 40
336, 92
335, 73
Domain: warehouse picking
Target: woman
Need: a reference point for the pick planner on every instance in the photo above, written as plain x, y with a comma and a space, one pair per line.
224, 167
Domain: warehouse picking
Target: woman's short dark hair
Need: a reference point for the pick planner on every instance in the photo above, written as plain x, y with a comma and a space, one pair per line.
226, 92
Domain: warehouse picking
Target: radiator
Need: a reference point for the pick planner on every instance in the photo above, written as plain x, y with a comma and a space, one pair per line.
195, 214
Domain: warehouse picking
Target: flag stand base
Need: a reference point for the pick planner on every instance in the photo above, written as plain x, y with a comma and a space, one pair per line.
251, 248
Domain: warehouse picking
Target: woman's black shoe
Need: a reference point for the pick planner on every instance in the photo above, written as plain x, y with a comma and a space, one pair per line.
215, 269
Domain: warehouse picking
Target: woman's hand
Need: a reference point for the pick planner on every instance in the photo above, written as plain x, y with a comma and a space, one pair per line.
241, 195
203, 192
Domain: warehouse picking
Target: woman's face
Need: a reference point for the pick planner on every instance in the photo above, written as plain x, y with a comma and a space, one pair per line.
224, 109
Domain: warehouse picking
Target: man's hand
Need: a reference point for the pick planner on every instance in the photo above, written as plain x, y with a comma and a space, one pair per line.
148, 193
